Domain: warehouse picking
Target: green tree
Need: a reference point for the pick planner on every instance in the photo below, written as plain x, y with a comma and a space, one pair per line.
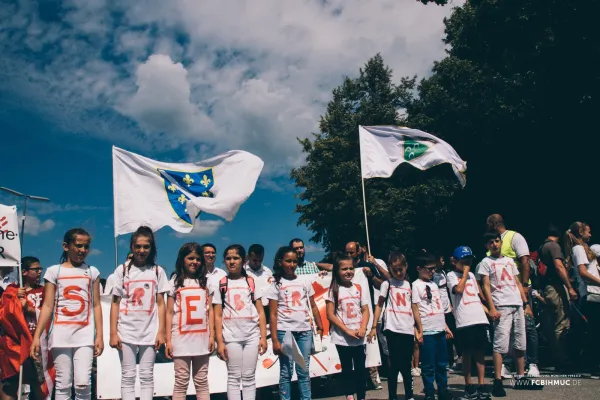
332, 206
517, 96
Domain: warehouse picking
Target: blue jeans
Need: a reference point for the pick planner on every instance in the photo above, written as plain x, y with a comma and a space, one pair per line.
434, 359
304, 341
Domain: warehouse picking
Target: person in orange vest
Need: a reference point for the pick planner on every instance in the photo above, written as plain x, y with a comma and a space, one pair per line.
515, 246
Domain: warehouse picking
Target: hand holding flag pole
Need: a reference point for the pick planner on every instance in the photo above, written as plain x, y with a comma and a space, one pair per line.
383, 148
20, 273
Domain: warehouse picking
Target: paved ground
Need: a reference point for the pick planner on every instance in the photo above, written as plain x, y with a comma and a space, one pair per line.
561, 387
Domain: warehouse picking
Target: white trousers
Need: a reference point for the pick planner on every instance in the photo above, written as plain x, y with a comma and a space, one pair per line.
128, 371
241, 367
73, 365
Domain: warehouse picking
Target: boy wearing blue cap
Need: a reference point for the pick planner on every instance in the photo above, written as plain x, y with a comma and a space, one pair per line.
471, 321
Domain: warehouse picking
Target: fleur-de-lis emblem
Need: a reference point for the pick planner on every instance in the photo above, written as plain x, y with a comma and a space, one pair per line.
205, 194
181, 199
172, 188
205, 181
188, 180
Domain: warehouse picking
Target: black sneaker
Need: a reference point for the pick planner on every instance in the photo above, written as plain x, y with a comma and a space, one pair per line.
525, 383
483, 393
445, 395
498, 389
470, 393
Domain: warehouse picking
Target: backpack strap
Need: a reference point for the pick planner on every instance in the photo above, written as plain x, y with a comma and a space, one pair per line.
223, 288
250, 282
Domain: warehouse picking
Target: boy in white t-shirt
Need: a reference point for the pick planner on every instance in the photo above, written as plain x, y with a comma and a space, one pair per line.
427, 303
471, 320
507, 307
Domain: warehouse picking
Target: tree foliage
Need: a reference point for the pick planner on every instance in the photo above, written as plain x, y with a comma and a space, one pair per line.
516, 96
332, 206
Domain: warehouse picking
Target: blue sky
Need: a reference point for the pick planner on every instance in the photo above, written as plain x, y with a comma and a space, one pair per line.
181, 81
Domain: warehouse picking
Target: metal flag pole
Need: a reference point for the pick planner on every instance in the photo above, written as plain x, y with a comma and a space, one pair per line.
20, 273
362, 180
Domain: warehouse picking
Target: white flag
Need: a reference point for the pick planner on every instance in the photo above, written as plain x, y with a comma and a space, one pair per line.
10, 244
383, 148
157, 194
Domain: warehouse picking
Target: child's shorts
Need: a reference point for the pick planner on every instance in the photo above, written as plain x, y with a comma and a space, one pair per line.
510, 328
472, 338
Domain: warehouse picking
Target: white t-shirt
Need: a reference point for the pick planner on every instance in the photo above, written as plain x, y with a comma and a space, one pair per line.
518, 244
468, 309
138, 315
213, 278
263, 278
503, 275
240, 318
430, 310
190, 333
350, 302
73, 321
293, 312
440, 279
579, 257
399, 317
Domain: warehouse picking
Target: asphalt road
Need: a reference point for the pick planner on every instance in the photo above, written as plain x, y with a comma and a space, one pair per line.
557, 387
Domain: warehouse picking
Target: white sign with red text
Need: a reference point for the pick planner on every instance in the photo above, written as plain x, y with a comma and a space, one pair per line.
10, 245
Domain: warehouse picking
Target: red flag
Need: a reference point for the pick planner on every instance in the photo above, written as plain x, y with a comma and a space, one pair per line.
16, 339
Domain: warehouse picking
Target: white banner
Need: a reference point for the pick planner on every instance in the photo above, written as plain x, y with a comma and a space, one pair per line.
267, 368
10, 245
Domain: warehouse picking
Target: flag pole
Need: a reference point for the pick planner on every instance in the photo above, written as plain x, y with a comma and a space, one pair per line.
362, 181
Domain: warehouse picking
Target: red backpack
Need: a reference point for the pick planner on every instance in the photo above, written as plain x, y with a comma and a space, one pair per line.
223, 288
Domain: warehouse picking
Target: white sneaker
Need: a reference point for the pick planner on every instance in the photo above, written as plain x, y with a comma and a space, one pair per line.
400, 380
533, 371
416, 372
506, 374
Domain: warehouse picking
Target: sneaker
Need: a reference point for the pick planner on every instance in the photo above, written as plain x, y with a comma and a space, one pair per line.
498, 389
416, 372
525, 383
506, 374
534, 371
446, 395
470, 393
400, 380
483, 393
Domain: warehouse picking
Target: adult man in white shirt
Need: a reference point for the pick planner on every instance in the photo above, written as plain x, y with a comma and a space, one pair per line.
213, 274
263, 277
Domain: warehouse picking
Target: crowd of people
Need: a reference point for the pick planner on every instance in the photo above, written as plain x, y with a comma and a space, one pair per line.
425, 314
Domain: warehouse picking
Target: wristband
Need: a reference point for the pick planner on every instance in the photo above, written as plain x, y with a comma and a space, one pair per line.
525, 303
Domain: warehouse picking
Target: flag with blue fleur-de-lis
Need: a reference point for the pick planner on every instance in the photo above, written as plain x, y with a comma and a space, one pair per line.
158, 194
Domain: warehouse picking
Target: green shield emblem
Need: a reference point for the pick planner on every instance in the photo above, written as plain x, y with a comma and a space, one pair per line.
413, 149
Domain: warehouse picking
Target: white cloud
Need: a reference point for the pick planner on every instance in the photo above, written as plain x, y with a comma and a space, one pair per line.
226, 239
34, 226
311, 248
95, 252
206, 76
202, 228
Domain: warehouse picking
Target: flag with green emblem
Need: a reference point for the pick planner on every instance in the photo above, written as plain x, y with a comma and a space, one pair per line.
383, 148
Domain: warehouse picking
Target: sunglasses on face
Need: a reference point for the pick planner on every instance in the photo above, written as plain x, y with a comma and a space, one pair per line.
428, 292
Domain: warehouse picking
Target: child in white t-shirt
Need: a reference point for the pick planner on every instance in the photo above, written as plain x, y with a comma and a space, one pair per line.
471, 320
348, 313
190, 323
74, 287
507, 308
137, 314
240, 325
400, 324
427, 302
291, 300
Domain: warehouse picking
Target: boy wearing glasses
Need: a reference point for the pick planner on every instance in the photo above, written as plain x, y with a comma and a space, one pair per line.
427, 302
508, 306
